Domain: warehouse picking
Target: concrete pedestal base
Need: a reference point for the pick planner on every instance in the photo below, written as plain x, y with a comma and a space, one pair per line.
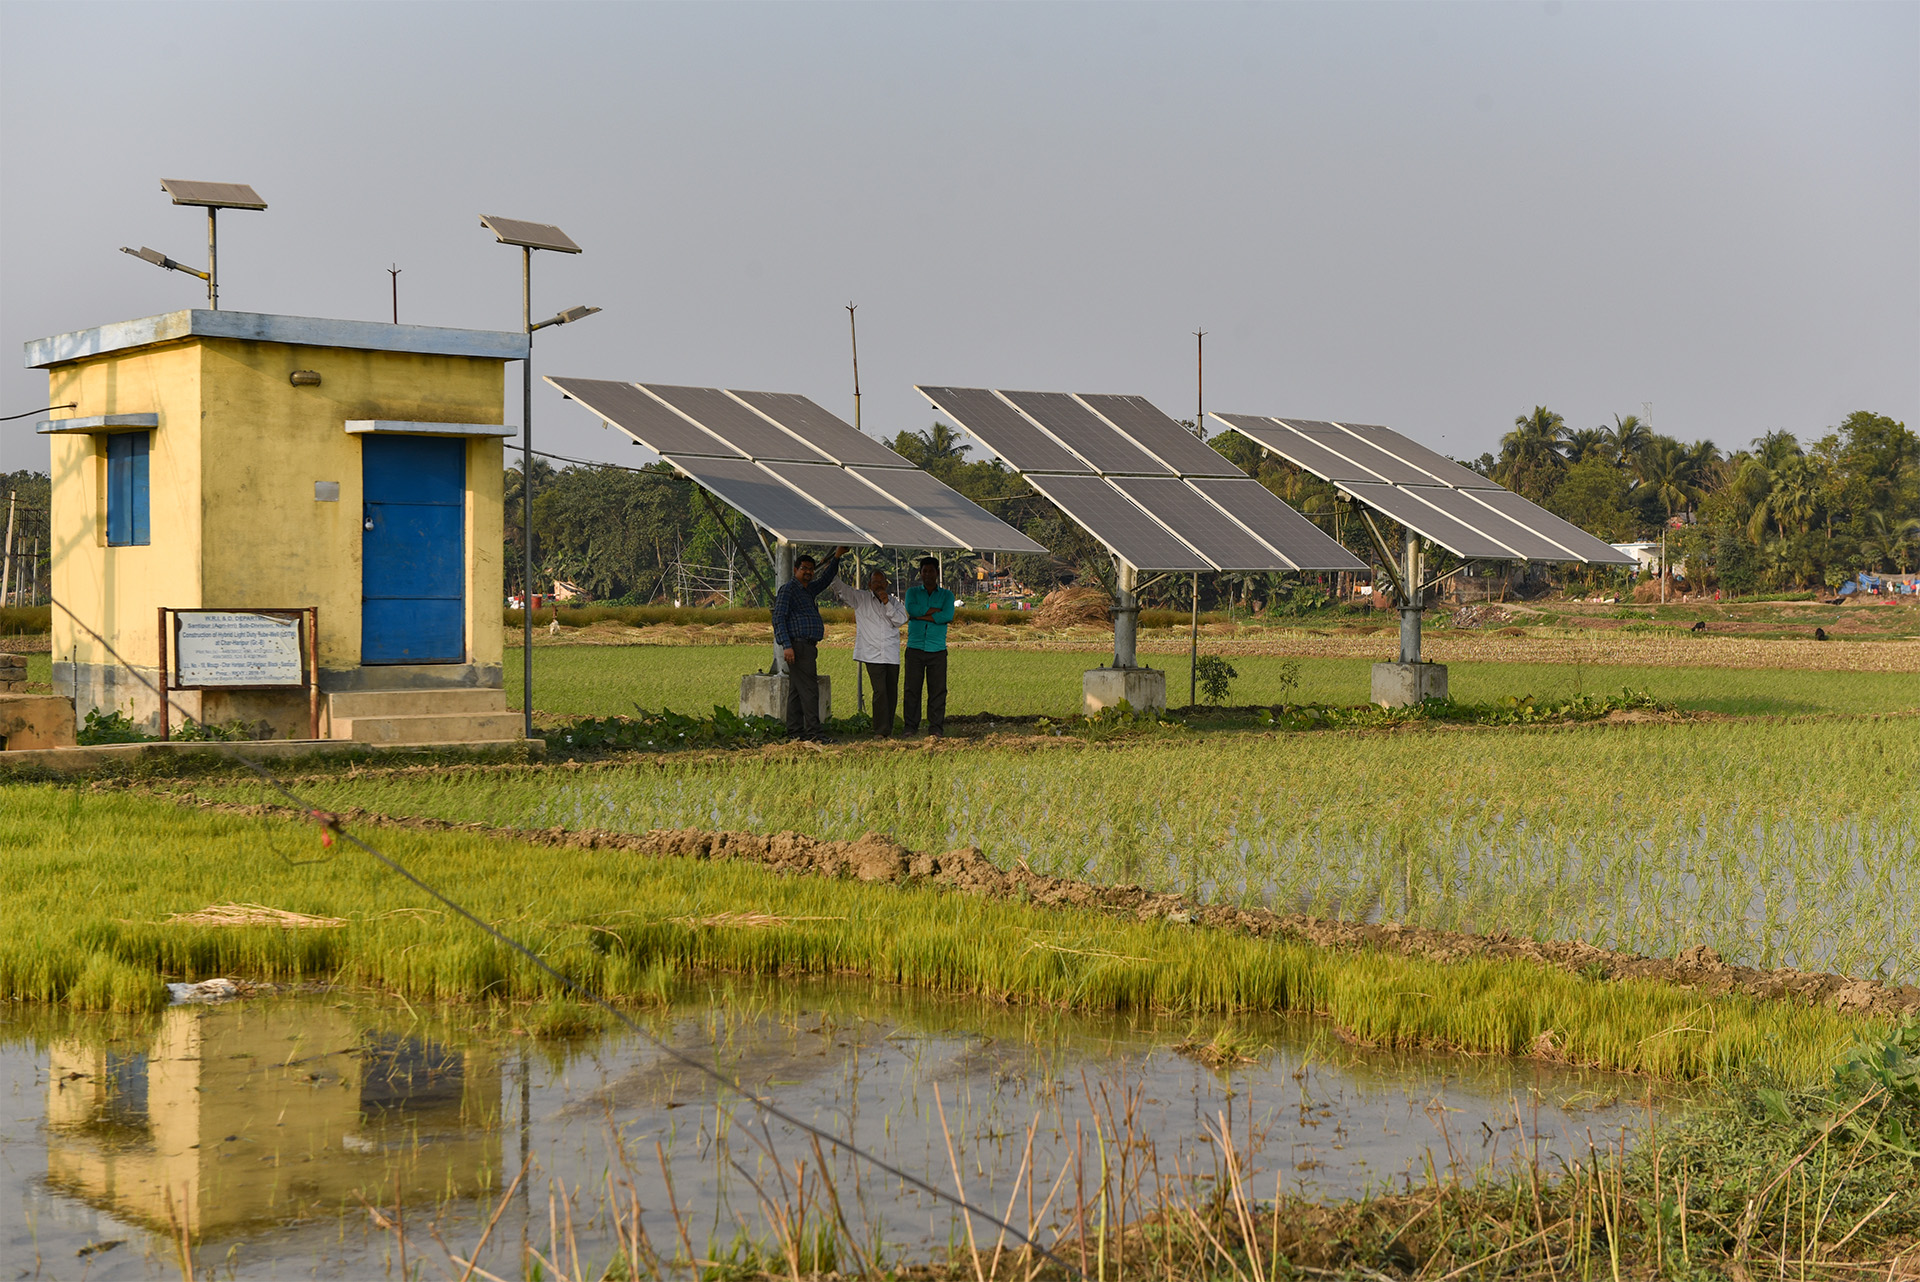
1142, 688
35, 721
766, 696
1399, 685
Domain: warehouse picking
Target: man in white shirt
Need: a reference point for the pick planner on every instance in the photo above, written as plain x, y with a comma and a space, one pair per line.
878, 616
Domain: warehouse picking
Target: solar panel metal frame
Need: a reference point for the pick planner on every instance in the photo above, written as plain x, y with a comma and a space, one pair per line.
529, 235
644, 417
821, 428
735, 422
1142, 422
1004, 430
769, 501
939, 504
1126, 528
874, 512
1213, 533
1070, 421
1288, 532
1361, 452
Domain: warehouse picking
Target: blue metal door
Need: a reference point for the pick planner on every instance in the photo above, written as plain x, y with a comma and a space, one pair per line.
413, 552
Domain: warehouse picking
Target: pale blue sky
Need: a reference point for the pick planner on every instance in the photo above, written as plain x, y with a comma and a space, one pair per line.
1430, 216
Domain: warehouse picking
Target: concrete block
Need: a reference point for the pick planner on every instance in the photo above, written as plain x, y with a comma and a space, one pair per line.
35, 721
1400, 685
1142, 688
766, 696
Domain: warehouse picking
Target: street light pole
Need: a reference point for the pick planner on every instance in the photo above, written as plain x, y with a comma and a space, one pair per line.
526, 491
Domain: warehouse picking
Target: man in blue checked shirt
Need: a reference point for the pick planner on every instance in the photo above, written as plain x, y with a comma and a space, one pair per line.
798, 630
929, 611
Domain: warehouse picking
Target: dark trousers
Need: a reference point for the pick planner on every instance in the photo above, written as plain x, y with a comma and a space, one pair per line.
803, 689
886, 690
929, 666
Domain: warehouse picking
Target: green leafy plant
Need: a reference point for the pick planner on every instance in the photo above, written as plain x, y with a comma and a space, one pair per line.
1216, 678
112, 727
663, 731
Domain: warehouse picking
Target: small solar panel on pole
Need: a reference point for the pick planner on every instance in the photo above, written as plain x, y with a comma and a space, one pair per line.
527, 237
213, 197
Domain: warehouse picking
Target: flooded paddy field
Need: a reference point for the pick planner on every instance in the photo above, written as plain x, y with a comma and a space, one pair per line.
330, 1135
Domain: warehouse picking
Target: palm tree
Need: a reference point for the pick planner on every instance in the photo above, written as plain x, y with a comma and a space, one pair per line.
1626, 438
1890, 542
1530, 454
1588, 442
1668, 472
940, 442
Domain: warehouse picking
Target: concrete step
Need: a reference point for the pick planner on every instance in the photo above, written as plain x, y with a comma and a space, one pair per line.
457, 727
351, 704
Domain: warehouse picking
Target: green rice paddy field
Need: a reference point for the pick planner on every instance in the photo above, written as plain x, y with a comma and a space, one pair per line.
592, 680
1777, 842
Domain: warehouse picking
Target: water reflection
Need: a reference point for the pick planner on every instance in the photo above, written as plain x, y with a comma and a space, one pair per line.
261, 1111
269, 1128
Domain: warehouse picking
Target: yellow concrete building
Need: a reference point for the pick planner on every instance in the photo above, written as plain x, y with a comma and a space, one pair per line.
234, 461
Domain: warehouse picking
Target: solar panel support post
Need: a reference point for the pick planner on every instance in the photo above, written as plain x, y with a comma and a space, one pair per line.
1412, 602
1126, 616
526, 492
782, 573
213, 260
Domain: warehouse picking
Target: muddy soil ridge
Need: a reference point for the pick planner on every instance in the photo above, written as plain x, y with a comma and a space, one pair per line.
876, 857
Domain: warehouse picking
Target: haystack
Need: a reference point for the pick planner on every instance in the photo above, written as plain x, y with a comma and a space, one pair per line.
1073, 607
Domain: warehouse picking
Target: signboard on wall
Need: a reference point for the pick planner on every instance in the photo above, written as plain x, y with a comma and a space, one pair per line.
218, 649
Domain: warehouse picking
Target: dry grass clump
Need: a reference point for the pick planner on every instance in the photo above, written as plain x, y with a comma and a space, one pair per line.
1073, 607
253, 915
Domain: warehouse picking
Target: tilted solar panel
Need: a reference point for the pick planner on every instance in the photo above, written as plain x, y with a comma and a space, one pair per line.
1300, 450
1003, 429
952, 511
854, 501
1118, 522
1285, 530
1364, 453
1200, 524
768, 502
1565, 533
822, 429
1460, 505
1432, 462
1160, 436
643, 418
1429, 522
1086, 434
735, 424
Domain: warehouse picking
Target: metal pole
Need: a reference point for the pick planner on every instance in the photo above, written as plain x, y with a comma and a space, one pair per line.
526, 491
166, 730
394, 272
1410, 604
859, 673
6, 575
1193, 647
213, 261
782, 571
1126, 616
35, 566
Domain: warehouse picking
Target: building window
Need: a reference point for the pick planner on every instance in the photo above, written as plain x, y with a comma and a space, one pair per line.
127, 488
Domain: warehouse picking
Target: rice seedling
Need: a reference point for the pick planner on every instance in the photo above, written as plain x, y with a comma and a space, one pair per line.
92, 886
1789, 843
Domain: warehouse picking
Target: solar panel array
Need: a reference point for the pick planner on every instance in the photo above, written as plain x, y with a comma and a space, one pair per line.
1146, 487
1436, 498
796, 469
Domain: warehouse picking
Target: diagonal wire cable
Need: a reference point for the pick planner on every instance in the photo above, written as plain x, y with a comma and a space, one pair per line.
332, 824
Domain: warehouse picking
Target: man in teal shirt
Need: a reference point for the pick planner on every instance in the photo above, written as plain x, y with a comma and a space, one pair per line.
929, 611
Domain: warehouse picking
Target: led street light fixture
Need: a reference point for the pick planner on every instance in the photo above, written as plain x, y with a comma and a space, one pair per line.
566, 317
159, 259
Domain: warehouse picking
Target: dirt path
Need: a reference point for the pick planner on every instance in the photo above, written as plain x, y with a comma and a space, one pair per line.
877, 858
